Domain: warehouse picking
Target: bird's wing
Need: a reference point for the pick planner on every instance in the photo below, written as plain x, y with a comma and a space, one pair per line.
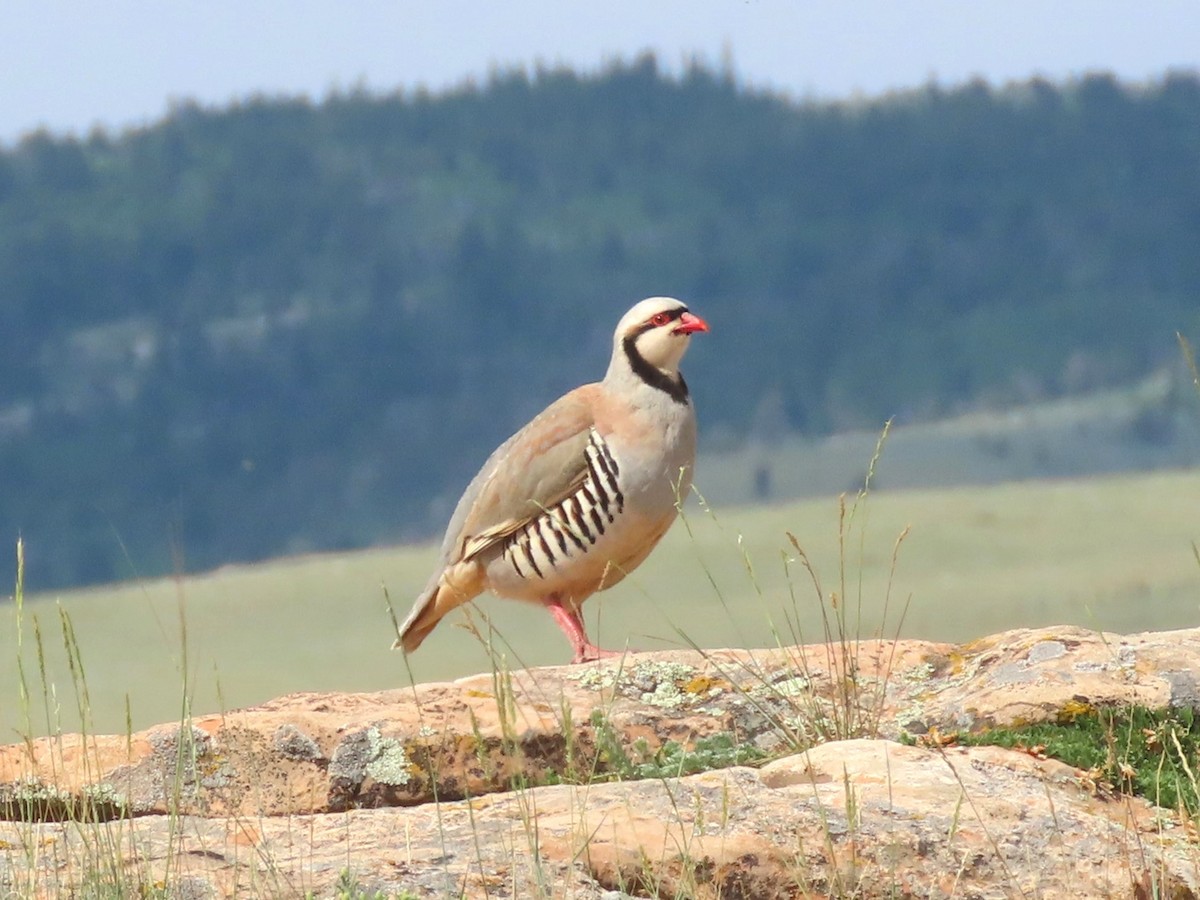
529, 473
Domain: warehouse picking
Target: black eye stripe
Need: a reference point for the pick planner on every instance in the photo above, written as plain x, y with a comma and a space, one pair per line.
673, 315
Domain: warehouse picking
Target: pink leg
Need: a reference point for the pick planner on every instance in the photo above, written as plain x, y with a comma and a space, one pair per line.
571, 623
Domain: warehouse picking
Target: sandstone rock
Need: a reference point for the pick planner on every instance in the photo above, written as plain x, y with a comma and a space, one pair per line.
434, 788
864, 818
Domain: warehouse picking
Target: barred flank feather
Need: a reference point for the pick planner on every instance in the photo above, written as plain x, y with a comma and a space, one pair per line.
559, 533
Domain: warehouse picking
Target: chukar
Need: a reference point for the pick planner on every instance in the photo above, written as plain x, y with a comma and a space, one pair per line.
575, 500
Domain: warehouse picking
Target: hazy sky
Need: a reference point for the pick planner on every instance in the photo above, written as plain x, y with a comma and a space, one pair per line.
70, 64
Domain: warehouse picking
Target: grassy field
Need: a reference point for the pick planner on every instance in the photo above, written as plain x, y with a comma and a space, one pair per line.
1114, 553
1151, 425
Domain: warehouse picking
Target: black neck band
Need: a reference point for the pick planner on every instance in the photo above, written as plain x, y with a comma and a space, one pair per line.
675, 388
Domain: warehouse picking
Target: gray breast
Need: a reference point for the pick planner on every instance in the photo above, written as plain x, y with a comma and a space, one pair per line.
567, 530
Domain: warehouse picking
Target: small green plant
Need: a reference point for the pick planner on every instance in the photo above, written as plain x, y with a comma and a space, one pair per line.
611, 756
670, 760
348, 887
719, 751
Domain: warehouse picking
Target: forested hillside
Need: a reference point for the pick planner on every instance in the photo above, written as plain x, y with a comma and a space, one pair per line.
290, 325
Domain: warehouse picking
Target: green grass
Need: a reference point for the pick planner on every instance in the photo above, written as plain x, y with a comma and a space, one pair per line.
1149, 753
1114, 553
1137, 427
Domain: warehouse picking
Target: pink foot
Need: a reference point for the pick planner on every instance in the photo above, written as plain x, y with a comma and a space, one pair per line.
571, 623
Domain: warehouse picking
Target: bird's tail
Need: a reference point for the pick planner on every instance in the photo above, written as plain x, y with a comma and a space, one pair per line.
454, 587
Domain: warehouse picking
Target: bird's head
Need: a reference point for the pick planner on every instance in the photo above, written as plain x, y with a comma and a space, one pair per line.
657, 332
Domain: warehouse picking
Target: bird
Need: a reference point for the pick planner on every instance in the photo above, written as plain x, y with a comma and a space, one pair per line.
577, 498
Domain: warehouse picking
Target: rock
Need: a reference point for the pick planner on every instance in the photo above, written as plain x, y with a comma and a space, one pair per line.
852, 818
452, 788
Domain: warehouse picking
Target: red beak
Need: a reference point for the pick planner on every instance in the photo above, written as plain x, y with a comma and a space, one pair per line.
690, 323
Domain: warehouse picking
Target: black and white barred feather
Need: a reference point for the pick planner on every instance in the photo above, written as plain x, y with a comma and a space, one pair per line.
576, 522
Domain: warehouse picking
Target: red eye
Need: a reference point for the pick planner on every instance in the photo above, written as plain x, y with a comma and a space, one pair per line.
660, 319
